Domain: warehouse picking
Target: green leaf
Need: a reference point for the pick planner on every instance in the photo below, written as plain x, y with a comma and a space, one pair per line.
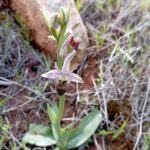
120, 130
79, 5
56, 129
65, 135
105, 133
46, 18
86, 128
2, 103
39, 135
66, 14
52, 113
54, 108
68, 127
115, 133
54, 33
61, 108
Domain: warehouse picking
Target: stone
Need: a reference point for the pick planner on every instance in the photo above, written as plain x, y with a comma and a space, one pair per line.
30, 14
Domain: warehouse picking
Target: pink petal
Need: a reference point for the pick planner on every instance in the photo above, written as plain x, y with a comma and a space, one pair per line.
75, 78
56, 67
53, 74
67, 61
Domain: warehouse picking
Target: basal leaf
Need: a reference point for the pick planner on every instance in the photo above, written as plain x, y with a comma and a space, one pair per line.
64, 138
52, 114
86, 128
39, 135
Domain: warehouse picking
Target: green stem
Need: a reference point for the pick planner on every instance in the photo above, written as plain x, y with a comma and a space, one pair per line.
61, 108
60, 42
59, 118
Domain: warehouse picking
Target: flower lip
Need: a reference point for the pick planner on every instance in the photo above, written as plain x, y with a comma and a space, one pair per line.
74, 43
67, 61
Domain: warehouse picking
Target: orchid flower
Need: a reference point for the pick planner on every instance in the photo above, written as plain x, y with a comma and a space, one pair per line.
66, 43
64, 74
74, 43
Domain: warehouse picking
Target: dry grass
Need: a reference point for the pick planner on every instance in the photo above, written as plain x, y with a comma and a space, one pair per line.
124, 31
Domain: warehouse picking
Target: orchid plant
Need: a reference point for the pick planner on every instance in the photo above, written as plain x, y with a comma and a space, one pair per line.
63, 137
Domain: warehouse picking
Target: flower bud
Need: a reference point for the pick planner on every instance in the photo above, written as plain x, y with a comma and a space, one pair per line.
50, 21
63, 16
46, 17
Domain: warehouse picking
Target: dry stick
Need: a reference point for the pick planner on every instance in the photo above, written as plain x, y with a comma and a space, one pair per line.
15, 107
103, 143
14, 138
124, 12
112, 54
4, 81
3, 94
142, 115
97, 91
98, 147
104, 96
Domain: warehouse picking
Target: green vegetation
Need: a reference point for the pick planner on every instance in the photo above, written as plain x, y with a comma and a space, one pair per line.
114, 133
